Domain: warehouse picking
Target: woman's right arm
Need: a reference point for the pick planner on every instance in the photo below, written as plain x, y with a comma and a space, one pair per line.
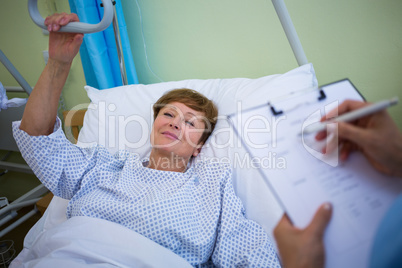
60, 165
55, 161
41, 109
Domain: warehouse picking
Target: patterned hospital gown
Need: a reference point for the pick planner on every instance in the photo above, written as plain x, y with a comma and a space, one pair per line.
195, 214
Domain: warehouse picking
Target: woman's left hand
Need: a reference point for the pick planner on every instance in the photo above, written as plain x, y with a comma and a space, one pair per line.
303, 247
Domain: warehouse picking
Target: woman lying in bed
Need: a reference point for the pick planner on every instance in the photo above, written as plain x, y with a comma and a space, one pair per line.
190, 210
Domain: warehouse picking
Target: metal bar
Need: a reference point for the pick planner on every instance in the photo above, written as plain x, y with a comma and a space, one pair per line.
290, 31
16, 167
14, 72
74, 27
14, 89
9, 217
119, 48
18, 222
38, 191
15, 206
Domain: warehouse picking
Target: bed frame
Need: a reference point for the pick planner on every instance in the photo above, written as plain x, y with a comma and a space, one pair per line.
10, 211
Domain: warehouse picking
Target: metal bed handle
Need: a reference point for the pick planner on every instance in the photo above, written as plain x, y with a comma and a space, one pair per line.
75, 27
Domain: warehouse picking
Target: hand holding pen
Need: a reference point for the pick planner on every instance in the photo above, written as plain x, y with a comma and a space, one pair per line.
376, 135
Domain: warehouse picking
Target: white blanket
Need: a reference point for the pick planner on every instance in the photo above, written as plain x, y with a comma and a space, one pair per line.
84, 241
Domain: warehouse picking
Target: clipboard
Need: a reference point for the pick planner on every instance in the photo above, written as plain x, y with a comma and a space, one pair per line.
306, 178
321, 93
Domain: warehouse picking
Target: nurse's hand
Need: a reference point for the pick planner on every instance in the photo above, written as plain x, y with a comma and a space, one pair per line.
63, 47
376, 136
299, 248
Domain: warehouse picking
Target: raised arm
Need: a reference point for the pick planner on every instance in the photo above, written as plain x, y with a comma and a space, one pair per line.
41, 109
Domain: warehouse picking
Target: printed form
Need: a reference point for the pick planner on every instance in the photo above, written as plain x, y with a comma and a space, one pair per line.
306, 178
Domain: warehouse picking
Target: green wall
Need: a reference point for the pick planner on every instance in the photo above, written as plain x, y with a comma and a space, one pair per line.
360, 39
23, 43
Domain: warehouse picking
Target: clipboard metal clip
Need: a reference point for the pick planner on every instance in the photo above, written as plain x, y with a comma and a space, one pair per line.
275, 112
322, 95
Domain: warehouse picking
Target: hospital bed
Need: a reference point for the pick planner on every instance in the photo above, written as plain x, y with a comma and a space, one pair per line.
102, 126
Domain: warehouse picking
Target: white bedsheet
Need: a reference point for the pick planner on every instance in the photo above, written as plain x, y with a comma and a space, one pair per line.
84, 241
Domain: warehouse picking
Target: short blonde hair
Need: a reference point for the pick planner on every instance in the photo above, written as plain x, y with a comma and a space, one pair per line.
193, 100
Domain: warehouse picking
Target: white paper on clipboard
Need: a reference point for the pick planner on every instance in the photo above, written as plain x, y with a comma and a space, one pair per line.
302, 178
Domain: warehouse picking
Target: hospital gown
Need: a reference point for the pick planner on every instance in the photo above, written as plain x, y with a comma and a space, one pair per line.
195, 214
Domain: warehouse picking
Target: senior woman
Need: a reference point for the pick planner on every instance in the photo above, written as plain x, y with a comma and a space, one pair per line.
190, 209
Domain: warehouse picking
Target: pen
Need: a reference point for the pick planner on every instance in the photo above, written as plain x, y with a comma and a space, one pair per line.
350, 116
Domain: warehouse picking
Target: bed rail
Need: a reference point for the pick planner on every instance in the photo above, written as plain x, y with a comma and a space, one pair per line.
9, 212
7, 143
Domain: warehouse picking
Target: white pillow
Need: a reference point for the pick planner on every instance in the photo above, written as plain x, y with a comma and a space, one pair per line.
121, 118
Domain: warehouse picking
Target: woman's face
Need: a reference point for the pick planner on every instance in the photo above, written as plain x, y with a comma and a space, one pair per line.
177, 129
